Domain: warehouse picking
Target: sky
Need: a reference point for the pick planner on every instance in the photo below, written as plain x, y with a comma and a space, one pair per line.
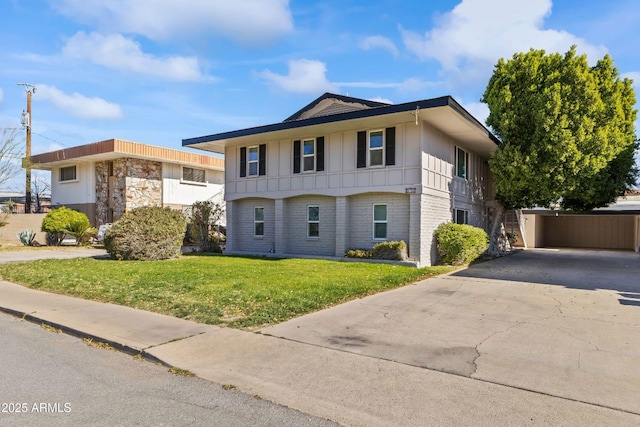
158, 71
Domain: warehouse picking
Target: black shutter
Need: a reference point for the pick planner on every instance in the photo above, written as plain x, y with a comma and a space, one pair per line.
243, 162
296, 156
262, 159
390, 141
362, 149
320, 153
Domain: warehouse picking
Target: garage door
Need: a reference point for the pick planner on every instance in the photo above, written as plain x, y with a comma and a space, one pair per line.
589, 231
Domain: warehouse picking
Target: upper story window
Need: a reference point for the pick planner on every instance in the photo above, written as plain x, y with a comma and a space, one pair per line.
193, 175
253, 160
376, 148
462, 163
67, 173
308, 155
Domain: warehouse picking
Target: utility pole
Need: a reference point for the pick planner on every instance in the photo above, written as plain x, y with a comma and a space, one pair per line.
26, 123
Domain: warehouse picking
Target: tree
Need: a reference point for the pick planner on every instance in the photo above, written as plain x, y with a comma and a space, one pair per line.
63, 220
567, 133
10, 154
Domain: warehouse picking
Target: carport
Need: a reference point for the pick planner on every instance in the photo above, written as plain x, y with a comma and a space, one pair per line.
614, 227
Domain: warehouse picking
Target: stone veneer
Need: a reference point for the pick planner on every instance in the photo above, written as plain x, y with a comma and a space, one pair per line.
136, 183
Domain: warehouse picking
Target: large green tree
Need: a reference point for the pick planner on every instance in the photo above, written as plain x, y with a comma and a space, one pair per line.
566, 129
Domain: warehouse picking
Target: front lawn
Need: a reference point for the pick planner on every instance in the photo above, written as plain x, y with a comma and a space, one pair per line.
239, 292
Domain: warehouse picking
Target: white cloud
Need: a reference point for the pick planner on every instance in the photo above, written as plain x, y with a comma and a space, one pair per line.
1, 95
80, 105
305, 76
246, 21
380, 42
408, 85
120, 53
380, 99
479, 32
479, 110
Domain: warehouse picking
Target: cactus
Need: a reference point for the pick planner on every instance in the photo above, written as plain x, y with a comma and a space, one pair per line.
26, 237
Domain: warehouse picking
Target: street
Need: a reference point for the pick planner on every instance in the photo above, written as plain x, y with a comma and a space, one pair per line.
51, 379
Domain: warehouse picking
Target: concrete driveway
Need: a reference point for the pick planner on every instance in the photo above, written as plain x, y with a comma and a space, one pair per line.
560, 322
55, 253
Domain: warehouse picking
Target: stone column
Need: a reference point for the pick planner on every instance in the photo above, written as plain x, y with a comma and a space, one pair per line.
342, 221
415, 227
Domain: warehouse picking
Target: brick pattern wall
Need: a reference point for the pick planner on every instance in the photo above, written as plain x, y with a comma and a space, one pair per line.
296, 220
435, 211
243, 238
360, 229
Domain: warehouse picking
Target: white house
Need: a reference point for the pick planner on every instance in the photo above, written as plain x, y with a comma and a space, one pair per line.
347, 173
107, 178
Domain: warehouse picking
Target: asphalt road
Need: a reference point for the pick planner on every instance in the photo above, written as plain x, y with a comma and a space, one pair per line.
50, 379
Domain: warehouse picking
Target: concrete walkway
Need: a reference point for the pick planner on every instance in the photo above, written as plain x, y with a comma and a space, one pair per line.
346, 387
62, 253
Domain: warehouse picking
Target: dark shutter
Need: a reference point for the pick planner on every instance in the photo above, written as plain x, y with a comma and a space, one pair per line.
262, 159
296, 156
320, 153
390, 141
362, 150
243, 162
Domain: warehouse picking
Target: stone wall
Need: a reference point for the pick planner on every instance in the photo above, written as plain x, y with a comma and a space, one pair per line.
134, 183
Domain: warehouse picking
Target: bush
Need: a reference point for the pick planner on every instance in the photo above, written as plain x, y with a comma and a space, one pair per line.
147, 233
460, 244
390, 250
61, 221
358, 253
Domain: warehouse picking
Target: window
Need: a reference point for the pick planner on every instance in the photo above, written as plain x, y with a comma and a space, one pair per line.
379, 222
68, 173
313, 221
462, 163
258, 222
308, 155
252, 161
376, 148
461, 216
193, 175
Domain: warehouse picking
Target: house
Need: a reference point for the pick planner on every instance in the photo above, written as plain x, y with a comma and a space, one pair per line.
107, 178
347, 173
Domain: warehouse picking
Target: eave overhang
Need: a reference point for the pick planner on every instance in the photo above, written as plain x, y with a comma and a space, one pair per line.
443, 113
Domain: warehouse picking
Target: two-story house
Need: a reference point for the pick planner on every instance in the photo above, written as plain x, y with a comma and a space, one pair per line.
347, 173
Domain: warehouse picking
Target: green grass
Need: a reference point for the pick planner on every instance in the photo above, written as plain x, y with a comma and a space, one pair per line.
240, 292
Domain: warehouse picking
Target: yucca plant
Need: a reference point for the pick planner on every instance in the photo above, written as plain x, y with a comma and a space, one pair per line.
26, 236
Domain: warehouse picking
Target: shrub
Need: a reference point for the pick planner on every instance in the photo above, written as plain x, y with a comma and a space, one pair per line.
26, 237
146, 233
390, 250
61, 221
203, 225
358, 253
460, 244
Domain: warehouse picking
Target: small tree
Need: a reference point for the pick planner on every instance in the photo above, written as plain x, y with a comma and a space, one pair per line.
63, 220
205, 217
567, 133
10, 154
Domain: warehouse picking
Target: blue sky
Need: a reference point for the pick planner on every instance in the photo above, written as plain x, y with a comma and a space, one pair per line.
158, 71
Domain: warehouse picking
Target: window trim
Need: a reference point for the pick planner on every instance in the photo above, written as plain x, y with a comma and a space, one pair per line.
464, 176
256, 161
385, 221
256, 222
75, 174
305, 156
309, 222
465, 216
382, 149
184, 180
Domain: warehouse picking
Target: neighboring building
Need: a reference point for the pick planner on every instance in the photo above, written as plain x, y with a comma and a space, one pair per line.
107, 178
347, 173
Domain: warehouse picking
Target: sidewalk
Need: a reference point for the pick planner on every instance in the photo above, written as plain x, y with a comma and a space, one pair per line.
347, 388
